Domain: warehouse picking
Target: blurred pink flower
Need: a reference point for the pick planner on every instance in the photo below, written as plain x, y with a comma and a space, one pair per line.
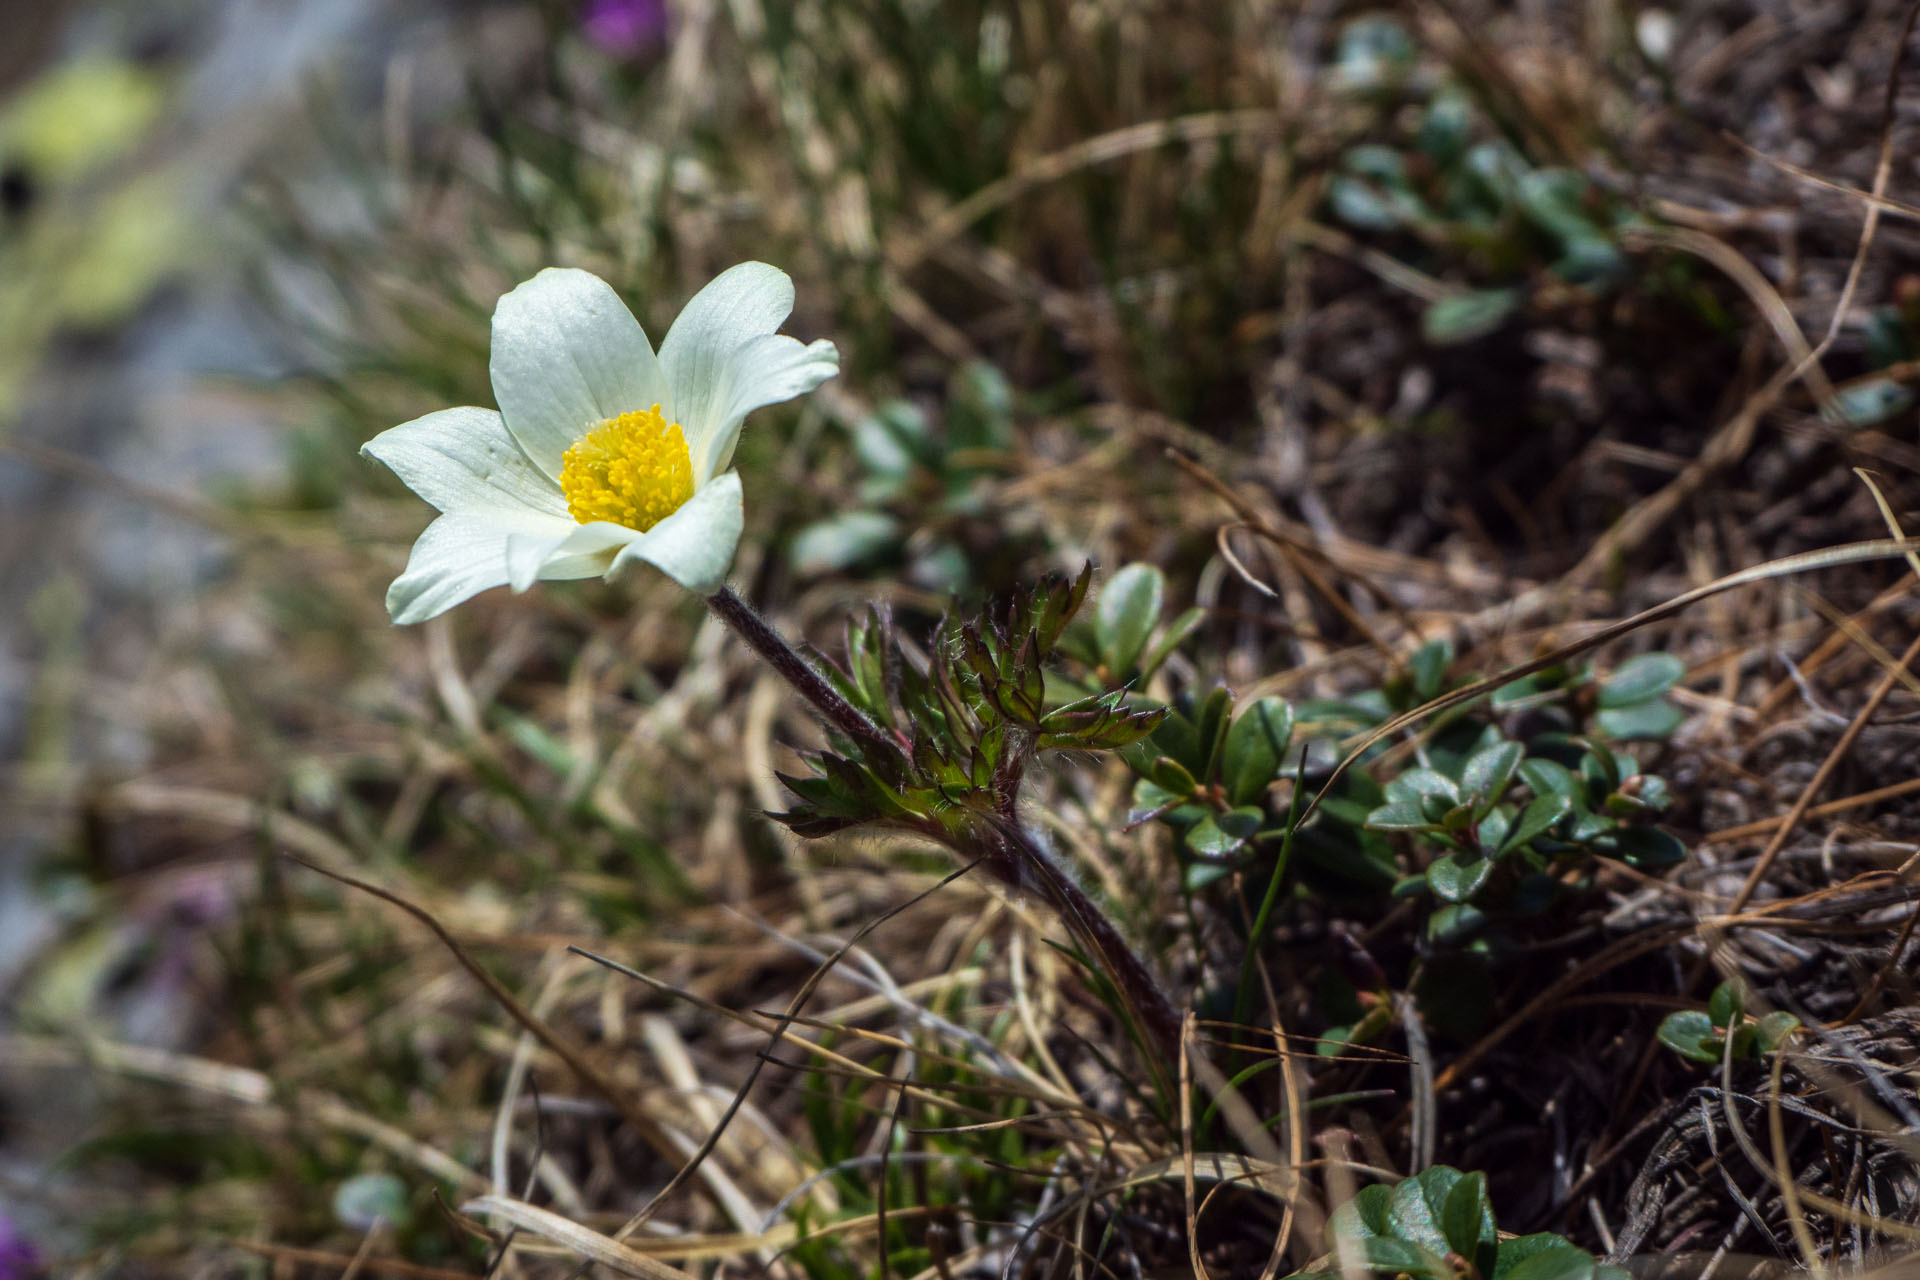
625, 27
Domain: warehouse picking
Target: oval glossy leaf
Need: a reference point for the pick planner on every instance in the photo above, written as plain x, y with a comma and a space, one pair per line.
1469, 316
1401, 1258
1640, 679
1171, 776
1256, 748
368, 1198
1488, 771
1417, 784
1401, 815
1221, 835
1649, 847
842, 541
1541, 813
1363, 1216
1524, 1248
1455, 879
1428, 667
1646, 720
1726, 1005
1467, 1221
1865, 403
1774, 1029
1687, 1033
1178, 737
1493, 828
1563, 1263
1201, 874
1125, 615
1548, 777
1213, 719
1172, 638
1454, 924
1415, 1207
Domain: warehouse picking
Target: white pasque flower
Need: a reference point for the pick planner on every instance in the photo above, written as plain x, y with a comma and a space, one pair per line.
602, 453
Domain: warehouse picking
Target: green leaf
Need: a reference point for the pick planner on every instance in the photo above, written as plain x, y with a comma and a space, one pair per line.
1467, 1220
1428, 666
1774, 1029
1518, 692
1456, 879
1360, 204
1172, 776
1400, 1258
1418, 784
1556, 200
1445, 129
1726, 1006
1548, 777
1374, 51
1150, 797
1491, 834
1640, 679
1171, 638
842, 542
1648, 847
1221, 835
889, 442
1648, 720
1401, 815
1416, 1205
979, 408
1256, 748
1687, 1033
1563, 1263
1467, 317
1365, 1215
1487, 773
1522, 1249
1199, 875
1866, 403
1541, 812
1213, 722
1454, 924
1125, 615
367, 1198
1601, 771
1179, 738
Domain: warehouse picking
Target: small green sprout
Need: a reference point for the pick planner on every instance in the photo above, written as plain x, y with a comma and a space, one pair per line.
1703, 1036
1439, 1225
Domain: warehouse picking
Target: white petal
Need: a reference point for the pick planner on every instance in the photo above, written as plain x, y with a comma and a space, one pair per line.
459, 556
694, 546
567, 354
768, 370
464, 460
742, 306
531, 556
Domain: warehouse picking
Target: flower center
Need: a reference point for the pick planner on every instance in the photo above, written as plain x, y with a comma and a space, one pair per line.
633, 470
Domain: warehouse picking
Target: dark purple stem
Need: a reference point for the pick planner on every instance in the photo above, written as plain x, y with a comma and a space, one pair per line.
798, 672
1012, 856
1007, 852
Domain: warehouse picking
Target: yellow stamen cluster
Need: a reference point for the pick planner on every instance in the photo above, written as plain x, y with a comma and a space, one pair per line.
633, 470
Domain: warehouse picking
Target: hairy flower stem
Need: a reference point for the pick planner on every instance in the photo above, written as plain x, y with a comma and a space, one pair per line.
1006, 851
1013, 857
798, 672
